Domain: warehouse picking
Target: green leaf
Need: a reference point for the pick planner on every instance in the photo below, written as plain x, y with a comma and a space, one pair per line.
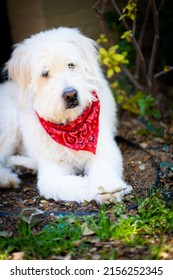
123, 16
165, 69
117, 69
132, 16
126, 34
106, 61
103, 52
102, 39
110, 73
113, 48
156, 113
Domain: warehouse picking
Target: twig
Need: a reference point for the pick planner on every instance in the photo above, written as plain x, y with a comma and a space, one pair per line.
155, 44
157, 75
140, 40
132, 78
141, 58
135, 44
100, 13
120, 14
134, 26
96, 7
160, 7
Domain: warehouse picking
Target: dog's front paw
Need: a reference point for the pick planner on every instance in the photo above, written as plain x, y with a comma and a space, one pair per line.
115, 195
8, 179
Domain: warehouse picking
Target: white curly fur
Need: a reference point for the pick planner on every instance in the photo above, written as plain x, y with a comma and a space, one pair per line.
23, 141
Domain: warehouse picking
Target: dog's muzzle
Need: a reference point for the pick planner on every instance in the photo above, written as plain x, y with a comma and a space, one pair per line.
70, 96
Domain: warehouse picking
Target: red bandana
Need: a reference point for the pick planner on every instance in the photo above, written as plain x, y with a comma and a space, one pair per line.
80, 134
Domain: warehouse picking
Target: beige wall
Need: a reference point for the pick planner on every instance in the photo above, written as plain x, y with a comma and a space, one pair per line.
27, 17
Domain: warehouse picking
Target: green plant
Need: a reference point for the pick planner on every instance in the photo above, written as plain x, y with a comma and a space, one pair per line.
138, 103
153, 220
77, 235
56, 238
133, 80
112, 59
129, 10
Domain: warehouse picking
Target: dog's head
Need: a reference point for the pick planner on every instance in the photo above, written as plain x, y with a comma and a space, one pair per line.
58, 68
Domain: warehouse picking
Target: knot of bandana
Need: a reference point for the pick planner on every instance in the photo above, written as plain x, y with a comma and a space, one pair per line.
80, 134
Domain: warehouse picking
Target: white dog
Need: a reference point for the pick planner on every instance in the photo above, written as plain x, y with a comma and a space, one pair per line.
58, 118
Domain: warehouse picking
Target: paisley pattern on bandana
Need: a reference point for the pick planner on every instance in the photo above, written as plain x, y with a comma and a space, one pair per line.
80, 134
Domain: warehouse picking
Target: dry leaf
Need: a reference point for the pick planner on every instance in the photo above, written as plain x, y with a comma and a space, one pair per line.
86, 230
18, 256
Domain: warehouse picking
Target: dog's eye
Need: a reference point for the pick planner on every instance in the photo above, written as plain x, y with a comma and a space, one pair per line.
71, 65
45, 74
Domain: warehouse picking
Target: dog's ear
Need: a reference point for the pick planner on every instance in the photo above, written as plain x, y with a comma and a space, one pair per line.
18, 66
89, 52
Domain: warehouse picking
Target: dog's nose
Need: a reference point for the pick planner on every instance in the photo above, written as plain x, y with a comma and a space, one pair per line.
70, 96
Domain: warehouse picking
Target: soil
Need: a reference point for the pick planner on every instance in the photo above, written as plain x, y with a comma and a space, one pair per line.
139, 172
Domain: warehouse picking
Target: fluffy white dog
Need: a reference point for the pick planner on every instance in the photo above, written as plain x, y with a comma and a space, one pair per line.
58, 118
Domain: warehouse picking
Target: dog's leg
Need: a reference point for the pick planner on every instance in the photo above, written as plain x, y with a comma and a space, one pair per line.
8, 179
9, 133
22, 164
105, 174
54, 182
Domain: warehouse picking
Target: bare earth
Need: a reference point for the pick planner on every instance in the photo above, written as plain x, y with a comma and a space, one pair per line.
139, 172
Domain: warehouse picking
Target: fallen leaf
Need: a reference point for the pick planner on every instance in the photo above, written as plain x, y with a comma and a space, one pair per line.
6, 233
86, 230
18, 256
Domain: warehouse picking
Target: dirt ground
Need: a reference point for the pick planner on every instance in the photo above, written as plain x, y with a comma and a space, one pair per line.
138, 172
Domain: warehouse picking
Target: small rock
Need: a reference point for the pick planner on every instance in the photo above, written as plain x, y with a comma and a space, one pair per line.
142, 166
144, 145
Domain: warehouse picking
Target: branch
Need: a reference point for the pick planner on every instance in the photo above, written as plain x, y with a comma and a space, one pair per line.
134, 26
120, 14
155, 43
132, 78
100, 12
161, 4
134, 42
140, 40
157, 75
